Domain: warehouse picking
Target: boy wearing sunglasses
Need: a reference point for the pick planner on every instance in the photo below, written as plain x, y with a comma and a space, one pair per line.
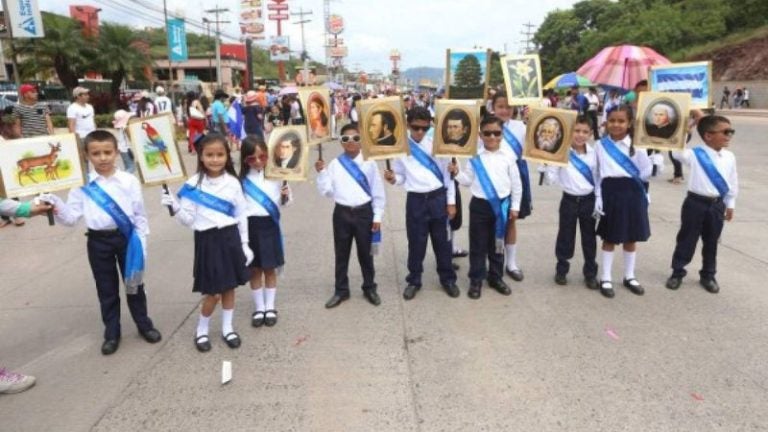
494, 180
430, 203
356, 187
712, 188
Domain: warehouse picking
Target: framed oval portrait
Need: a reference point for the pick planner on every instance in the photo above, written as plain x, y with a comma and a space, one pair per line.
317, 109
456, 127
661, 120
548, 136
382, 128
288, 153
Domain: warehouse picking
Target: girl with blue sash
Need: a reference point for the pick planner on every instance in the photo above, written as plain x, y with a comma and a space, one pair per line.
263, 198
513, 137
621, 198
213, 205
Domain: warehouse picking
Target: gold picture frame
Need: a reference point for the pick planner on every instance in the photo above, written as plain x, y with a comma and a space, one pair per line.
288, 154
456, 127
662, 120
153, 141
522, 79
548, 136
461, 85
383, 128
46, 163
316, 105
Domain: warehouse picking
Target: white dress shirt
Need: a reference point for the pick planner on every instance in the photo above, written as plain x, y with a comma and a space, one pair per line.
201, 218
698, 180
503, 174
270, 187
607, 167
570, 178
335, 182
418, 178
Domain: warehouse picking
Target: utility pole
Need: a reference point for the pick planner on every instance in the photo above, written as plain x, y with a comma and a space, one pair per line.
168, 45
207, 23
218, 11
528, 33
304, 55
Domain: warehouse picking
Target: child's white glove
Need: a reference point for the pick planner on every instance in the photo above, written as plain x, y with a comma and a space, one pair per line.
49, 198
248, 254
168, 200
598, 208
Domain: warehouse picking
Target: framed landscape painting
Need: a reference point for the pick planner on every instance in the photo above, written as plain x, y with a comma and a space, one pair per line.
467, 74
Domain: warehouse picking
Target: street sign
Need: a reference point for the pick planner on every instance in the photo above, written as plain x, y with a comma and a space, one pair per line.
277, 7
24, 18
335, 41
277, 17
340, 51
177, 40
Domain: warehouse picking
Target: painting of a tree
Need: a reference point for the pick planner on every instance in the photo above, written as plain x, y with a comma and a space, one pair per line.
467, 74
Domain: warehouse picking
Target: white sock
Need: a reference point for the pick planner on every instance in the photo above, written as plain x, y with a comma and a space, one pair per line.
258, 299
202, 325
269, 296
226, 321
607, 262
629, 264
511, 256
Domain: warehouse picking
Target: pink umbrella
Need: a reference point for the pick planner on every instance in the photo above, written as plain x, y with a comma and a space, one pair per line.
621, 66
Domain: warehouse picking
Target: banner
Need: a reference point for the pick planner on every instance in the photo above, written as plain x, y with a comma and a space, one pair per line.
177, 40
251, 19
24, 18
694, 78
279, 48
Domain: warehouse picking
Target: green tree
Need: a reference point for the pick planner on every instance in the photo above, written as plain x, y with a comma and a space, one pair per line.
468, 72
119, 57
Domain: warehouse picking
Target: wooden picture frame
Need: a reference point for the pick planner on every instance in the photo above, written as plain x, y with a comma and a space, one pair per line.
456, 127
383, 128
548, 136
288, 154
522, 79
153, 140
316, 105
694, 78
461, 73
45, 163
662, 120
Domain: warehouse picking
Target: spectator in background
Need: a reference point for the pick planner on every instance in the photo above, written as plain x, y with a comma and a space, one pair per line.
163, 103
726, 99
745, 100
594, 105
145, 107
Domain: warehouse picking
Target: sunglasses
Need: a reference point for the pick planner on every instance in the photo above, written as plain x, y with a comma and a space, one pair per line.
419, 128
253, 158
726, 132
347, 138
491, 133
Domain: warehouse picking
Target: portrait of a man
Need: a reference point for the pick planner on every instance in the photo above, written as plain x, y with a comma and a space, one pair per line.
381, 129
549, 135
661, 120
456, 127
288, 151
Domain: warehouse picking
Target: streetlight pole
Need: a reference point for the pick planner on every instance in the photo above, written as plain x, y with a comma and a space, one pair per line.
304, 55
217, 11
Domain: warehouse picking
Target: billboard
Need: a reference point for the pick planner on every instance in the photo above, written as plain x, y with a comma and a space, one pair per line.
279, 49
177, 40
24, 18
251, 19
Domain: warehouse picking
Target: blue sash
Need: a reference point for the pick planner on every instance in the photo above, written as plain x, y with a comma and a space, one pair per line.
133, 273
709, 167
263, 199
522, 166
581, 167
207, 200
423, 158
355, 172
500, 207
624, 162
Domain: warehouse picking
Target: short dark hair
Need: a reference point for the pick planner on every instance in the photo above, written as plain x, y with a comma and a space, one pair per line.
248, 147
491, 119
457, 114
418, 113
349, 126
99, 135
708, 123
387, 118
582, 119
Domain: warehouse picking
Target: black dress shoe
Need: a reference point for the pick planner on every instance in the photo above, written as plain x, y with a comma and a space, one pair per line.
451, 289
257, 319
335, 301
634, 286
151, 335
372, 297
110, 346
203, 343
591, 283
674, 282
410, 291
710, 285
500, 286
474, 290
560, 279
606, 289
270, 318
516, 275
232, 340
460, 253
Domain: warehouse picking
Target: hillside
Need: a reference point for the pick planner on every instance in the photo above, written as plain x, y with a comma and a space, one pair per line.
739, 58
436, 75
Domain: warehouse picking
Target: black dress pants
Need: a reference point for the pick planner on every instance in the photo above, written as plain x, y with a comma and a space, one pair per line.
353, 223
700, 217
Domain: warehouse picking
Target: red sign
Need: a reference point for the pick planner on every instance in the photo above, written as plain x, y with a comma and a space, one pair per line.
277, 7
277, 17
335, 24
279, 1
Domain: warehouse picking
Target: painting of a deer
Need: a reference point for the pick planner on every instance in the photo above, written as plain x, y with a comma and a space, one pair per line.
48, 161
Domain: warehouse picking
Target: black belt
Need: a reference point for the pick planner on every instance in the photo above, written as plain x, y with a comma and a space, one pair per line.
102, 233
430, 194
578, 198
365, 206
704, 198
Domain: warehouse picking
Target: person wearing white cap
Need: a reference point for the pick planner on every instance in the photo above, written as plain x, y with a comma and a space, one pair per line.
80, 114
163, 102
120, 123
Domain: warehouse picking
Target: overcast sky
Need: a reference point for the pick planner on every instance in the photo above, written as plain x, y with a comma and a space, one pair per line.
420, 29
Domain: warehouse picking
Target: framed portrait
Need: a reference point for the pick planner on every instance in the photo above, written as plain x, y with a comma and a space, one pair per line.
288, 153
662, 120
693, 78
456, 127
467, 73
548, 137
153, 140
382, 128
522, 79
316, 104
46, 163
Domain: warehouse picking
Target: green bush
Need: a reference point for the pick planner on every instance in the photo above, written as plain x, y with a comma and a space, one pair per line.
102, 121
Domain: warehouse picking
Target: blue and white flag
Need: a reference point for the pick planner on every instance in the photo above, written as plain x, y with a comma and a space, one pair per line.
235, 122
693, 78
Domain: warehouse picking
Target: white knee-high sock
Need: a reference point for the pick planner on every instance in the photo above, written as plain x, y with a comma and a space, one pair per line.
269, 297
258, 299
607, 263
629, 264
512, 257
226, 321
202, 325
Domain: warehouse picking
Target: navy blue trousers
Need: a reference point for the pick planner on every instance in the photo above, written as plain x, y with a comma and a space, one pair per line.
700, 217
482, 243
576, 209
353, 223
426, 217
106, 250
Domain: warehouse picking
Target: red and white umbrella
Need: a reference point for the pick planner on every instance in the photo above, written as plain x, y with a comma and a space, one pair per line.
621, 66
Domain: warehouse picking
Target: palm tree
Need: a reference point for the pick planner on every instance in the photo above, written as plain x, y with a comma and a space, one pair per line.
120, 56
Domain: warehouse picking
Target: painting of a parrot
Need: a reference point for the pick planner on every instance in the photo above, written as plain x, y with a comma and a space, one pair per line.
156, 141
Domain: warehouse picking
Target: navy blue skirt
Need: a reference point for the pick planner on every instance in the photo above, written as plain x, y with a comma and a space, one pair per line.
265, 242
219, 261
525, 200
626, 212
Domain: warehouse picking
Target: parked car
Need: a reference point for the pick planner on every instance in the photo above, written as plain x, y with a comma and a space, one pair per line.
7, 102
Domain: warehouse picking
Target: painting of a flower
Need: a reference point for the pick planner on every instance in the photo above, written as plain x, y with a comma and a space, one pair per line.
522, 76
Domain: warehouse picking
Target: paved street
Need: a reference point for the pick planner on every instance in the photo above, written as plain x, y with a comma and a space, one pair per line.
547, 358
